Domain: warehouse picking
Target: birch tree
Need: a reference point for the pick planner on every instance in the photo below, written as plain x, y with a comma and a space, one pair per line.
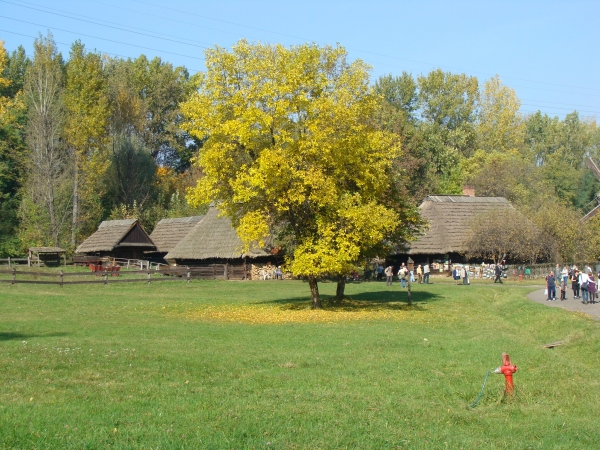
45, 110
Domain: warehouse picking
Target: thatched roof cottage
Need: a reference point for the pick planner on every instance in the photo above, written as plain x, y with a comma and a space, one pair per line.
449, 218
118, 239
169, 232
212, 240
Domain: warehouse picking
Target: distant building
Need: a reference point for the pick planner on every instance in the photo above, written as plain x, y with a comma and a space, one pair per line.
449, 218
169, 232
213, 240
125, 239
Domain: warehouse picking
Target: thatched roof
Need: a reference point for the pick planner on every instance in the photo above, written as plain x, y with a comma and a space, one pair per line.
46, 250
168, 232
449, 218
116, 233
212, 238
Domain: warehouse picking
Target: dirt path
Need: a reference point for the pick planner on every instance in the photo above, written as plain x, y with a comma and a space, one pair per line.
570, 304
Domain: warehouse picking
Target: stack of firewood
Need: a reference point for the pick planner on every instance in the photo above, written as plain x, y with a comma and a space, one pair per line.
266, 271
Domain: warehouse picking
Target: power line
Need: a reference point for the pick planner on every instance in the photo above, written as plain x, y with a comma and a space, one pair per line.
192, 24
107, 26
157, 37
567, 109
363, 51
296, 37
555, 103
260, 29
69, 45
103, 39
130, 57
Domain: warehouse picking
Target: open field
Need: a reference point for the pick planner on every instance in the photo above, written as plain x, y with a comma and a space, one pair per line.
224, 365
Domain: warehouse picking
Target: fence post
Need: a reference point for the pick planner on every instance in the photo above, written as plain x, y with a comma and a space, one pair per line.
225, 271
105, 278
188, 277
14, 275
61, 278
148, 277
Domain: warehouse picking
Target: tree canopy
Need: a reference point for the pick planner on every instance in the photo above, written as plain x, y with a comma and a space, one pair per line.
291, 152
297, 145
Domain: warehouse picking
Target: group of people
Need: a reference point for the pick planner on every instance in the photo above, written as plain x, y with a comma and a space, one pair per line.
583, 284
404, 274
461, 273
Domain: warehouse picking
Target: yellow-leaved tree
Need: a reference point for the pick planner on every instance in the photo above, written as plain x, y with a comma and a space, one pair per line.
86, 125
500, 127
291, 151
6, 103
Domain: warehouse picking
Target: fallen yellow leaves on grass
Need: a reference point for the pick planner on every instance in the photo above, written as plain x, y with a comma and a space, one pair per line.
345, 311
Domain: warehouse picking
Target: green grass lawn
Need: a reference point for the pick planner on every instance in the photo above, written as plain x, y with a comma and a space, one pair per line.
246, 365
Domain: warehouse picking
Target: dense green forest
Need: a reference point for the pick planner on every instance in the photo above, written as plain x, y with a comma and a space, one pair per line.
87, 137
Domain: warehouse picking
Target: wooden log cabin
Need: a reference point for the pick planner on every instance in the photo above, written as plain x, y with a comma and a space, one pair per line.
125, 239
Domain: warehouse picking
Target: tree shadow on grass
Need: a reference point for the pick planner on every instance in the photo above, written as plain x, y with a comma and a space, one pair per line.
11, 336
364, 301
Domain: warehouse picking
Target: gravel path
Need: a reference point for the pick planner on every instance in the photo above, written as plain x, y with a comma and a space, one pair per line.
570, 304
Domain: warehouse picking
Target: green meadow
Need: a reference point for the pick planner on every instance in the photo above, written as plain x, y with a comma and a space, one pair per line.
242, 365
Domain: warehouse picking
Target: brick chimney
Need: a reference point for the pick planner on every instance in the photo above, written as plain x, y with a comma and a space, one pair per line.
468, 189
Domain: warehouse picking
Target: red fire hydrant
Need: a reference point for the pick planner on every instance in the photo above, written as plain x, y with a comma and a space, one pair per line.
507, 369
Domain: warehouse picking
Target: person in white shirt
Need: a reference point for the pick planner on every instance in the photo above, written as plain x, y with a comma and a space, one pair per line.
583, 283
402, 275
565, 274
426, 273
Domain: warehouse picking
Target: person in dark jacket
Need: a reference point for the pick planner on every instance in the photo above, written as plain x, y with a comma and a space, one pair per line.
551, 286
575, 283
498, 272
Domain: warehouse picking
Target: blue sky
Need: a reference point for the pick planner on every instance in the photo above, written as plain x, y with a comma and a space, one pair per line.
546, 50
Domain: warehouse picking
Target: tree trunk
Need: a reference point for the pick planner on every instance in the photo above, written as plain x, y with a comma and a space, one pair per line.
341, 286
75, 202
314, 293
52, 213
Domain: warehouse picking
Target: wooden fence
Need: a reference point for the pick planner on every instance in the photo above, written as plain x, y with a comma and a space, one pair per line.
212, 272
14, 261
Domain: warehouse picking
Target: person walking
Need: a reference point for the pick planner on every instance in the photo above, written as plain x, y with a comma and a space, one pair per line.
426, 273
551, 286
389, 274
420, 273
379, 272
498, 273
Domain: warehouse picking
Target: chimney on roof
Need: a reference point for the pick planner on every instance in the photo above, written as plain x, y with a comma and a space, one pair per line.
468, 189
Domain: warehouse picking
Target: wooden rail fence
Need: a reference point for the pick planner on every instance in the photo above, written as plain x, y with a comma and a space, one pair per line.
14, 261
212, 272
